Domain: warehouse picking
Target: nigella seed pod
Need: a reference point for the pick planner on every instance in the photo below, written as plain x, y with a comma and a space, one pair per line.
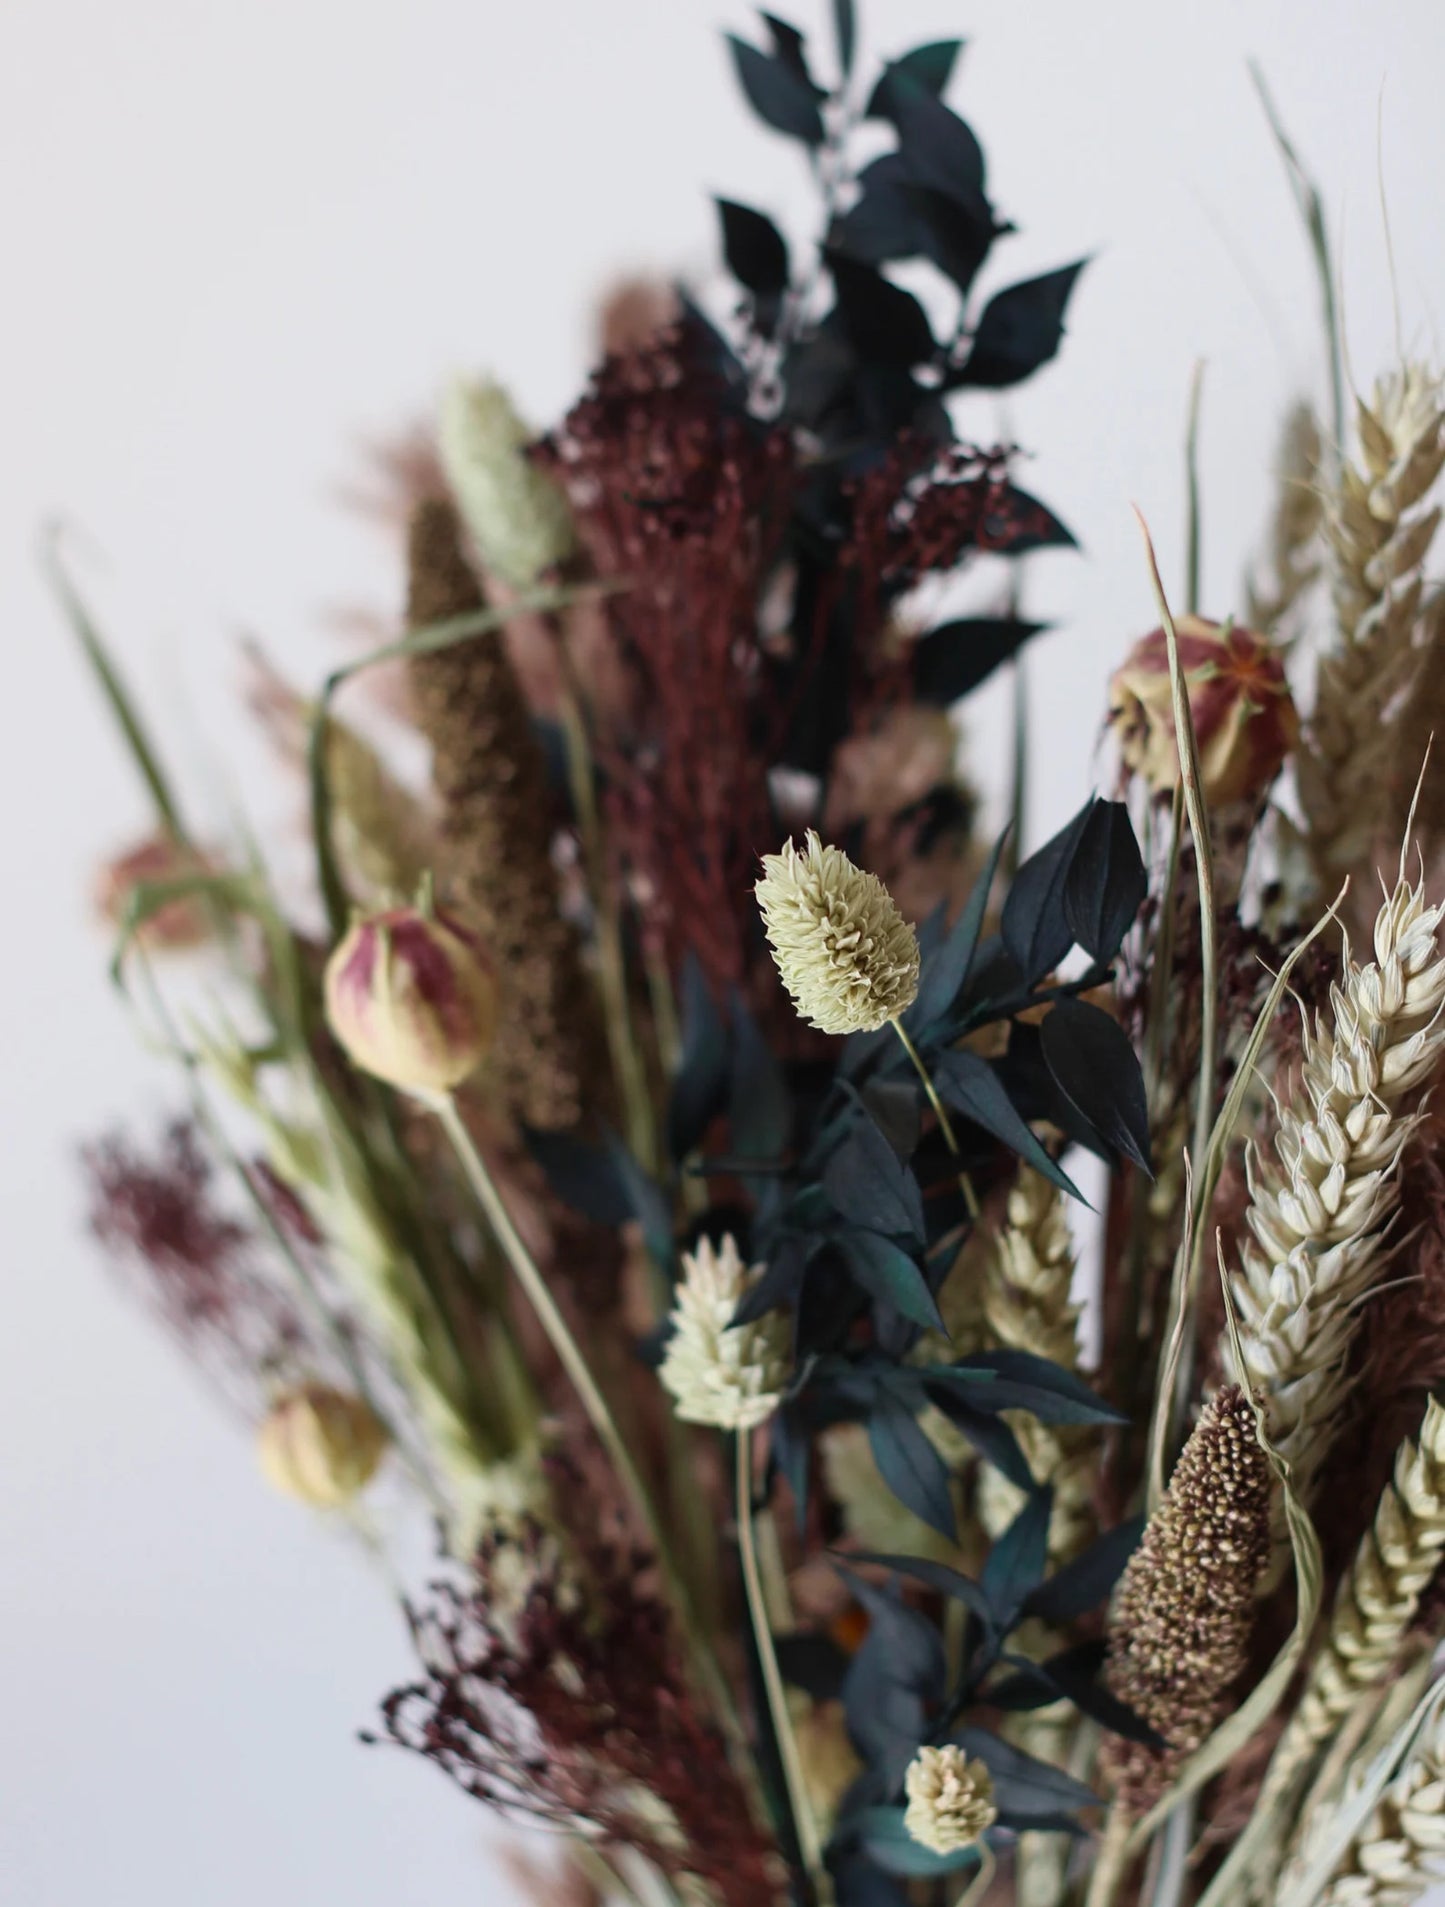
320, 1446
1245, 721
411, 998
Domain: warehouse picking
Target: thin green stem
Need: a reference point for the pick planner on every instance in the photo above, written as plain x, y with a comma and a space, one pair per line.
945, 1125
805, 1825
1191, 466
569, 1355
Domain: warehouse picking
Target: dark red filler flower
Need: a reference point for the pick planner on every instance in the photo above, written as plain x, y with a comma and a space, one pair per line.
552, 1689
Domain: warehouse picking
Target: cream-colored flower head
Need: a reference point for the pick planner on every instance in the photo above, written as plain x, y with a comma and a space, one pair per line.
846, 954
950, 1799
731, 1376
518, 517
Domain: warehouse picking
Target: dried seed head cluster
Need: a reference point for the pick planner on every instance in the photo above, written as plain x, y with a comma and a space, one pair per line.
1319, 1209
1380, 526
950, 1799
1180, 1627
846, 955
719, 1373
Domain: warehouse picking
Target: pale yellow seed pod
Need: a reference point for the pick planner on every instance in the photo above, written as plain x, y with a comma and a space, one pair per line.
320, 1446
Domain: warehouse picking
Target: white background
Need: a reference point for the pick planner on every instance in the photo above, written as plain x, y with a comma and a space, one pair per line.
237, 240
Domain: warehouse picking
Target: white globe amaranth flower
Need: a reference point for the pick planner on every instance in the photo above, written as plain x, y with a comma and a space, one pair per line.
517, 516
721, 1374
845, 953
950, 1799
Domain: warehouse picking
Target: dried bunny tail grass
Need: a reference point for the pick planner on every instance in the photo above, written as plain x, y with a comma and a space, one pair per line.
1378, 1599
1400, 1850
1319, 1209
1027, 1307
496, 837
1292, 563
1380, 535
1180, 1628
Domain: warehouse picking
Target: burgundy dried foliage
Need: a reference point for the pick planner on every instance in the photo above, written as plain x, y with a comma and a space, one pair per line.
685, 499
196, 1265
564, 1708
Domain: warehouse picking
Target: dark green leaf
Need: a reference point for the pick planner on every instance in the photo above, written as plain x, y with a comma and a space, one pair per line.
776, 93
1097, 1070
1084, 1583
1020, 329
910, 1465
585, 1177
700, 1083
866, 1184
989, 1434
951, 1583
957, 234
930, 66
892, 1105
845, 32
649, 1206
889, 1275
951, 661
1018, 523
790, 47
760, 1108
781, 1281
1023, 1785
945, 972
967, 1083
939, 150
1073, 1673
1106, 883
889, 1843
756, 252
1022, 1380
1016, 1563
1035, 927
885, 324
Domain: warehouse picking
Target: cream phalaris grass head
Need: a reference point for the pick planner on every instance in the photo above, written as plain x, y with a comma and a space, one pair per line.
950, 1799
845, 953
729, 1375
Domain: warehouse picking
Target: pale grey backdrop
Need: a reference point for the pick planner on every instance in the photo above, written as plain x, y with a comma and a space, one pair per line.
236, 240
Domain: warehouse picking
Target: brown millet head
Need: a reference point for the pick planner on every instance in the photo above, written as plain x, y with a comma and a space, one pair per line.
1179, 1632
496, 827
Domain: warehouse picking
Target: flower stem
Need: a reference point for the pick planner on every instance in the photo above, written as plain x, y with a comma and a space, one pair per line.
945, 1126
805, 1825
569, 1355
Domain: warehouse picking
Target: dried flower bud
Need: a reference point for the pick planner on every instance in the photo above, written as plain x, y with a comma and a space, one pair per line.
731, 1376
950, 1799
846, 954
320, 1446
517, 516
1245, 720
174, 926
411, 998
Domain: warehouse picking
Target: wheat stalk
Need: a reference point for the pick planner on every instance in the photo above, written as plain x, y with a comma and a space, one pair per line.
1320, 1207
1400, 1850
1291, 564
1379, 534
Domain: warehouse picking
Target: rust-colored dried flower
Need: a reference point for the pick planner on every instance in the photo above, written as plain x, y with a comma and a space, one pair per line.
411, 998
1180, 1627
1244, 717
846, 955
176, 925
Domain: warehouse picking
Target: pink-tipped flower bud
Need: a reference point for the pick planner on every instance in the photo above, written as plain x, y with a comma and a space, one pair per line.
173, 925
320, 1446
1245, 721
411, 998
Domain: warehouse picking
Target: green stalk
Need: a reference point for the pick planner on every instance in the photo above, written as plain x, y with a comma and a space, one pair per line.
570, 1356
805, 1826
945, 1125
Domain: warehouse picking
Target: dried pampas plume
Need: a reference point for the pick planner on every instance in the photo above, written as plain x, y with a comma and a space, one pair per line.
846, 955
1380, 530
1179, 1633
1319, 1208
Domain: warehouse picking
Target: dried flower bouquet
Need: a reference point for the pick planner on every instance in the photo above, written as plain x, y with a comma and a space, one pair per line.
652, 1144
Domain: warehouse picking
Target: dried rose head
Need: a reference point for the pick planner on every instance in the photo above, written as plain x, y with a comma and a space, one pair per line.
1245, 720
320, 1446
175, 926
411, 998
845, 953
